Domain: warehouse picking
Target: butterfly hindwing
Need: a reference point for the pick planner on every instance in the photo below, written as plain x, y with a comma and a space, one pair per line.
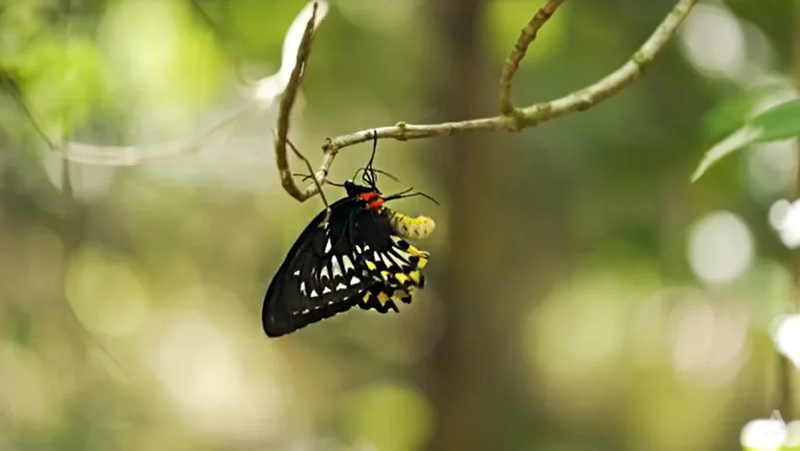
382, 298
392, 261
394, 265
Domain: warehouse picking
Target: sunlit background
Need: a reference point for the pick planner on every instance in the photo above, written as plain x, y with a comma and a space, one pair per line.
582, 295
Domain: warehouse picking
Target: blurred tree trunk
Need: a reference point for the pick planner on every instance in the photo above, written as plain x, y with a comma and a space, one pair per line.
501, 230
466, 372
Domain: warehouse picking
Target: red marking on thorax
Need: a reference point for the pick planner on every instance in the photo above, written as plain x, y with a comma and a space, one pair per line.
374, 200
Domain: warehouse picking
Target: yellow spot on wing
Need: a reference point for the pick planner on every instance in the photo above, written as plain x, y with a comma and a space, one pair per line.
414, 251
383, 297
371, 265
415, 276
385, 275
401, 277
366, 296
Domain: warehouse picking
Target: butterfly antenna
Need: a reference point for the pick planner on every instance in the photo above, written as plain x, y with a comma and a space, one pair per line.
377, 171
407, 193
369, 173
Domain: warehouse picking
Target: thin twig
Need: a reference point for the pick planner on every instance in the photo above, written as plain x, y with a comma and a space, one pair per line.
527, 36
312, 176
579, 100
287, 102
19, 99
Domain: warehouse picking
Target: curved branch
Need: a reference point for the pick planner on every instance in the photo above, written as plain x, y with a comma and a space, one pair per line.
520, 118
520, 49
287, 102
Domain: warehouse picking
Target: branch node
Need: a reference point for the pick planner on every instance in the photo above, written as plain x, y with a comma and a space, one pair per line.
516, 120
526, 36
402, 131
641, 60
584, 101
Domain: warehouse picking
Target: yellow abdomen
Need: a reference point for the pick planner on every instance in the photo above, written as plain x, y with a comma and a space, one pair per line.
409, 227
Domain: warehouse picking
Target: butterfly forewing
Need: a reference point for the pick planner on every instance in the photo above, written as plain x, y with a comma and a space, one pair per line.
320, 276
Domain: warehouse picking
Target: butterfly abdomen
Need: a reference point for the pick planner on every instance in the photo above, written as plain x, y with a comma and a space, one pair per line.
415, 228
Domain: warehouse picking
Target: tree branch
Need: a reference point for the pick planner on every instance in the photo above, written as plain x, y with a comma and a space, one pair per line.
520, 118
520, 48
287, 102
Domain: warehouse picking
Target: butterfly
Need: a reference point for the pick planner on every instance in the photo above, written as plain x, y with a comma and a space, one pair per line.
355, 254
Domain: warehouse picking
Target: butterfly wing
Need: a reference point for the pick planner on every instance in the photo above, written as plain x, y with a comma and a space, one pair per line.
319, 276
394, 265
353, 259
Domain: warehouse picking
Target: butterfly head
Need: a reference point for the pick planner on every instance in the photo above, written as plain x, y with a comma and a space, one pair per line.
371, 197
369, 192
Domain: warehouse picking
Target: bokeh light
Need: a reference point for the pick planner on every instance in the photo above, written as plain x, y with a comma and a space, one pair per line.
786, 335
105, 292
784, 217
720, 247
715, 42
766, 435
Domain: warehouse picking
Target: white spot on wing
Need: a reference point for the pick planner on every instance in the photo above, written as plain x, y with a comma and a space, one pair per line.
303, 288
397, 260
335, 268
324, 273
314, 294
348, 264
326, 290
355, 281
328, 246
402, 253
296, 273
341, 286
386, 261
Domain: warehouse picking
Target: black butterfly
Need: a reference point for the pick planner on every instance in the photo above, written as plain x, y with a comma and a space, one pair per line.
355, 258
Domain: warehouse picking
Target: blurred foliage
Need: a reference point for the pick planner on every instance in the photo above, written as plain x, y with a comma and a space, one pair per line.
640, 317
777, 123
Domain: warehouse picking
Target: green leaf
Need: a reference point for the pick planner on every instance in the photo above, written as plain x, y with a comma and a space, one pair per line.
777, 123
736, 110
735, 141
